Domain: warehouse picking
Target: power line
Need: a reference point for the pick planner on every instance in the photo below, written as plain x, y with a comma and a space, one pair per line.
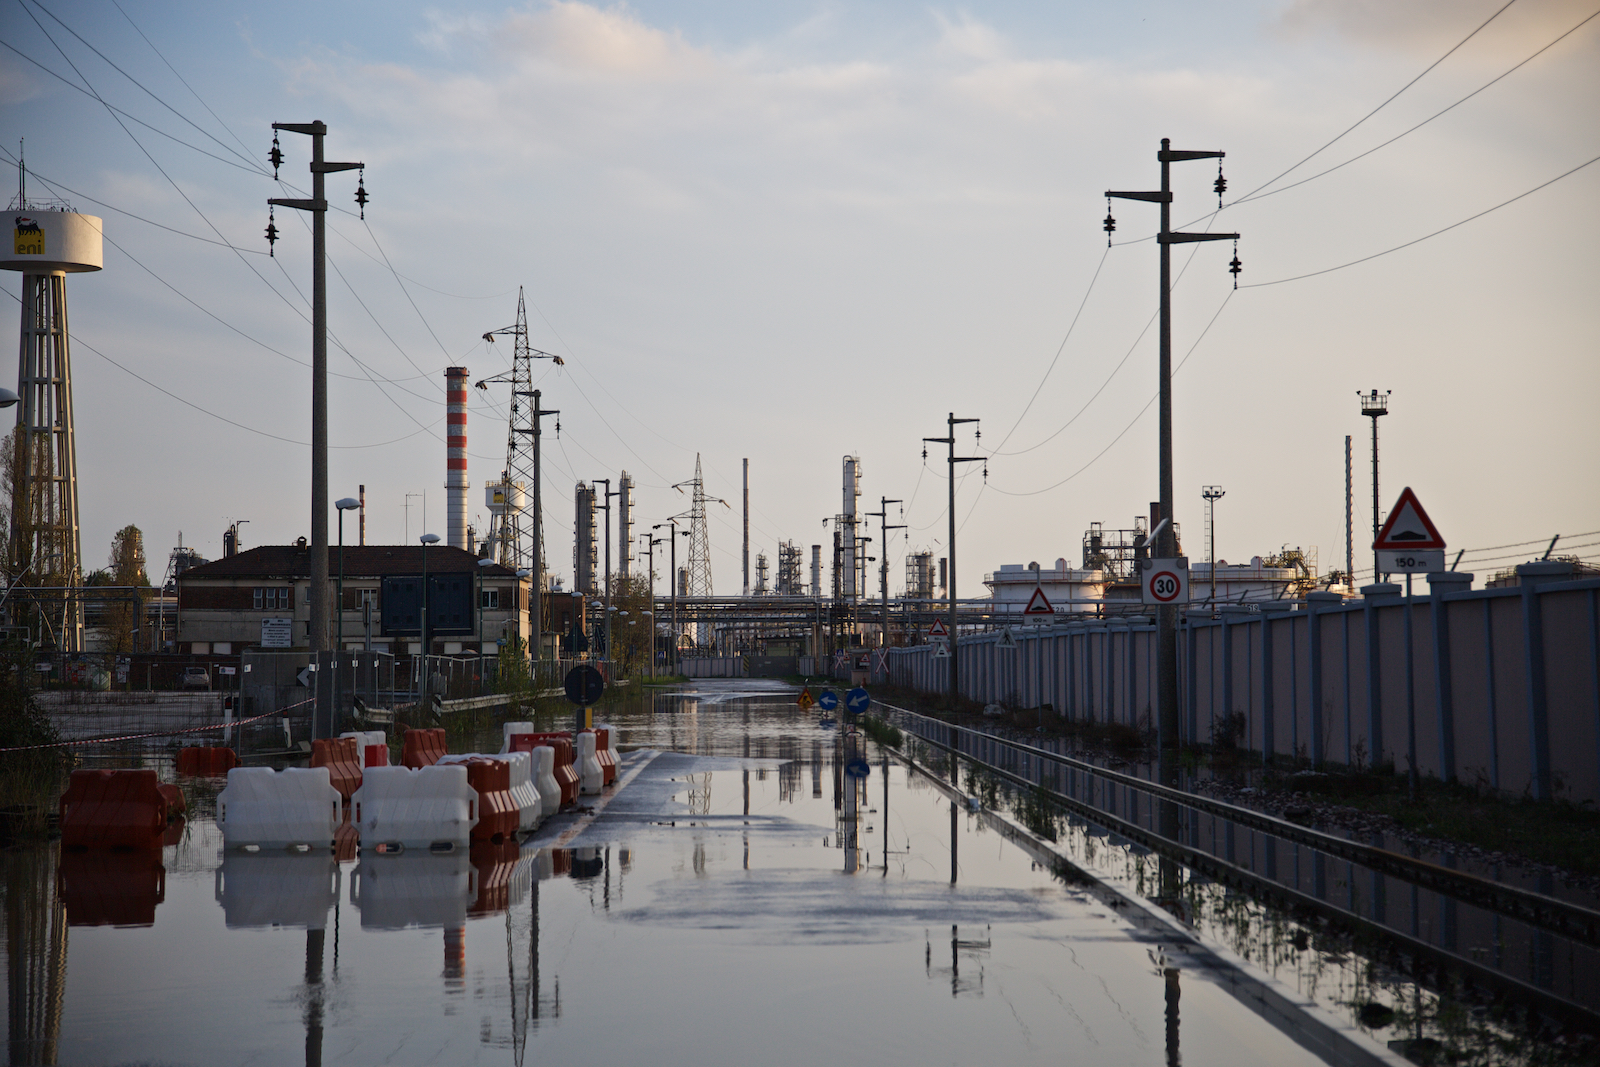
1435, 233
1136, 418
1386, 102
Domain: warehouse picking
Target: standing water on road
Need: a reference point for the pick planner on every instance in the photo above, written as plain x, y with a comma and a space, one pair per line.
739, 898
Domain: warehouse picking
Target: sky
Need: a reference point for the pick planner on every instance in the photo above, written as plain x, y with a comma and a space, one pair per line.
796, 231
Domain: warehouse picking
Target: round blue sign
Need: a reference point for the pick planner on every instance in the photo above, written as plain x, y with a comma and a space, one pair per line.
827, 700
857, 700
858, 768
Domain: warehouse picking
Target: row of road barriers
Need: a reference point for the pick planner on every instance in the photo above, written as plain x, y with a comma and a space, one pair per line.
1500, 688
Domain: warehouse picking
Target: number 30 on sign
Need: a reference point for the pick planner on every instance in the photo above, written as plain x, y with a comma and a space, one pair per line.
1165, 581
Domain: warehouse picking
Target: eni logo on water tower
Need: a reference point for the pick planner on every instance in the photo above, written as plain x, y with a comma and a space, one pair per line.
29, 238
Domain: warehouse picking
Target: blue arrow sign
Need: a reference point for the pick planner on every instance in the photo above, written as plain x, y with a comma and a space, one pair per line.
858, 768
857, 700
827, 700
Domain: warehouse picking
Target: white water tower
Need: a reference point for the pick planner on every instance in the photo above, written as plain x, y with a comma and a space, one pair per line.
48, 241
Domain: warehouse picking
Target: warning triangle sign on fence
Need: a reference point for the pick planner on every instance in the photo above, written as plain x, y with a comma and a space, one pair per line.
938, 629
1408, 526
1038, 604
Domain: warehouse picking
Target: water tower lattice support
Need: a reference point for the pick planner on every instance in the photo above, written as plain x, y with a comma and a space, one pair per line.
44, 506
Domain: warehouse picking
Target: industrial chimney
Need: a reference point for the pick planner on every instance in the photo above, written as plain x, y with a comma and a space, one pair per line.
455, 483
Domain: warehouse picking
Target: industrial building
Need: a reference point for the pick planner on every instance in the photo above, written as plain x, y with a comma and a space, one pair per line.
260, 598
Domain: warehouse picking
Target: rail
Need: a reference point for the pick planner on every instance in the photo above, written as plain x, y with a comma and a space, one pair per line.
1572, 921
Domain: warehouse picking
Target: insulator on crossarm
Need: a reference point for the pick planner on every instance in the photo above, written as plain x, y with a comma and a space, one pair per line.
361, 192
1235, 267
1221, 184
1110, 225
272, 233
276, 156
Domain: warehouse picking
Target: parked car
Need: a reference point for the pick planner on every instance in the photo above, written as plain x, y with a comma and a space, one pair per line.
196, 678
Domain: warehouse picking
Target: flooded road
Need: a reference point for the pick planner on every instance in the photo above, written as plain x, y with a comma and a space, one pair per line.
738, 899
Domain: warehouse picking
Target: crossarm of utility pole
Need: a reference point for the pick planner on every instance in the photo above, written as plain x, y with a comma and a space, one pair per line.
1176, 155
1187, 238
1154, 198
303, 205
334, 168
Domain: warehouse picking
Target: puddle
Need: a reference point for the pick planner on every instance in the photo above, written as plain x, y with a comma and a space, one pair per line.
746, 900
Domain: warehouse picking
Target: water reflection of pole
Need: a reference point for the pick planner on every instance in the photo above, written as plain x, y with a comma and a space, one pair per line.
952, 842
314, 944
1173, 1057
886, 800
36, 954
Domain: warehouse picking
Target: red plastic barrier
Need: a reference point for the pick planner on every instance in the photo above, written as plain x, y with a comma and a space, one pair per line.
176, 805
375, 755
206, 762
566, 760
498, 815
561, 861
113, 809
111, 888
346, 839
423, 748
603, 753
495, 863
342, 757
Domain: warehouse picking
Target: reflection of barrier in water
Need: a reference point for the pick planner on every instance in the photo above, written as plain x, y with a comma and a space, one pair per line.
394, 892
283, 889
111, 888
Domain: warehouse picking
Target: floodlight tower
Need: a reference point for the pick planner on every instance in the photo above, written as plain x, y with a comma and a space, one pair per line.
50, 241
1375, 405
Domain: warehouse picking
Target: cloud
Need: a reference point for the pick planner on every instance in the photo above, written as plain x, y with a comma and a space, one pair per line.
1427, 28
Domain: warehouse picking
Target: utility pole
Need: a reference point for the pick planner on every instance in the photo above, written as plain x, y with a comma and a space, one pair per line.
607, 507
318, 206
1166, 546
1212, 493
672, 541
884, 526
650, 576
1349, 518
1375, 405
950, 578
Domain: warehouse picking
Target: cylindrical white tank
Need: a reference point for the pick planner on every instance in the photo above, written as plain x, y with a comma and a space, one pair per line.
43, 242
497, 495
456, 454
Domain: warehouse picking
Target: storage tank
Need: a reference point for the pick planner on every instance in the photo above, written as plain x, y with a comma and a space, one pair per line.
497, 496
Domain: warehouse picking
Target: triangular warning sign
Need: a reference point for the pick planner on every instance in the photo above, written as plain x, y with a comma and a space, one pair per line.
1408, 526
938, 629
1038, 604
1007, 639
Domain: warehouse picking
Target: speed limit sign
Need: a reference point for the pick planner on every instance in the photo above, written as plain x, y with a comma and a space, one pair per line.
1165, 581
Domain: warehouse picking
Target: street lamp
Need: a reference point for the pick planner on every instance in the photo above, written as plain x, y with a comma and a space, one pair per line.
8, 398
427, 646
348, 503
482, 563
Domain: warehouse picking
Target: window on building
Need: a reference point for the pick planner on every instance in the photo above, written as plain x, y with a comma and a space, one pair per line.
491, 599
260, 597
271, 598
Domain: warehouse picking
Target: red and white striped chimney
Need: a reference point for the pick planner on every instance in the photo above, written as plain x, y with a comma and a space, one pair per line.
455, 463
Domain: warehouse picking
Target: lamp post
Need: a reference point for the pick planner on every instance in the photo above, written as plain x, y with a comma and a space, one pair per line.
427, 646
346, 504
950, 573
482, 563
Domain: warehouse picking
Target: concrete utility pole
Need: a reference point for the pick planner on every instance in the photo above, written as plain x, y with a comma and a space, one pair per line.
650, 576
1375, 405
950, 587
1166, 543
321, 600
884, 526
1349, 518
536, 600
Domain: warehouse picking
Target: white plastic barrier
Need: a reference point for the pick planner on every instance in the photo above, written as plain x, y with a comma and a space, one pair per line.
278, 809
530, 807
414, 889
509, 729
591, 776
544, 779
276, 889
370, 739
432, 807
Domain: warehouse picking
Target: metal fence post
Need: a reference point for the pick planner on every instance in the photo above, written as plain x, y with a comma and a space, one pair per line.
1315, 603
1370, 599
1443, 682
1531, 577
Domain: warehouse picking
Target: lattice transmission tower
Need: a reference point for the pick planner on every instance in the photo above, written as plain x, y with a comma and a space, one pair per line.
518, 540
699, 564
